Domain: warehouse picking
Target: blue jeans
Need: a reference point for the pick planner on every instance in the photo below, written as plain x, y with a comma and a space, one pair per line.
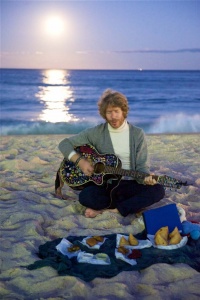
128, 197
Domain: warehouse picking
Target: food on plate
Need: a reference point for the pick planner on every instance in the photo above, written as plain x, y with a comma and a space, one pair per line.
164, 238
98, 238
73, 248
91, 242
101, 256
161, 236
132, 240
123, 242
175, 237
135, 253
122, 250
173, 233
164, 232
159, 240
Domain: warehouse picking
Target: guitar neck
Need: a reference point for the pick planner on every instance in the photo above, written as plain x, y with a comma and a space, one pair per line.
123, 172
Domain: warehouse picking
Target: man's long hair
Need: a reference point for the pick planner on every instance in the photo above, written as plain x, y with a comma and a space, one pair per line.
112, 98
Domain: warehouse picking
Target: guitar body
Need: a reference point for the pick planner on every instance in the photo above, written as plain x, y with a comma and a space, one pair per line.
77, 180
106, 166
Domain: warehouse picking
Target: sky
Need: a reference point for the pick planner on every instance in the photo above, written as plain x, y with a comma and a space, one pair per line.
148, 35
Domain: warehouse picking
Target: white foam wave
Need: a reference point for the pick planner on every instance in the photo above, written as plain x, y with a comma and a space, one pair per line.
39, 128
178, 123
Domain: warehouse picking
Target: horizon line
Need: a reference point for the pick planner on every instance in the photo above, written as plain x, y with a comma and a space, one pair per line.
89, 69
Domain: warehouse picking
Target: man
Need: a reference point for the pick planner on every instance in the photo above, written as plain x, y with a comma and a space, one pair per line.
128, 143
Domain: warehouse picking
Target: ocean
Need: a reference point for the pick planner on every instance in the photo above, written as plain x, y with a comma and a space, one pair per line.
65, 101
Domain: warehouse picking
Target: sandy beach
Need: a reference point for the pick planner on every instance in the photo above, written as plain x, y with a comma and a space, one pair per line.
31, 215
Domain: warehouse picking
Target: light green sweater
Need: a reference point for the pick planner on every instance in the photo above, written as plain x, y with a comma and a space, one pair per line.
99, 137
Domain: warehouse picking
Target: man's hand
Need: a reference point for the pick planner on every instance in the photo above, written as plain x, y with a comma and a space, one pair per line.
84, 164
150, 180
86, 167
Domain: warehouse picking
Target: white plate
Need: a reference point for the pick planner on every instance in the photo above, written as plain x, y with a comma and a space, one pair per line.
123, 257
182, 243
84, 257
141, 243
63, 246
97, 246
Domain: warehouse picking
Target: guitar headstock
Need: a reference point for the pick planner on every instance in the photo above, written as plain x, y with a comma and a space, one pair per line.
170, 182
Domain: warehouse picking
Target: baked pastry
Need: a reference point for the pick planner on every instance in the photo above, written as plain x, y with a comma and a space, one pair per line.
123, 242
164, 232
173, 233
161, 236
122, 250
175, 237
73, 248
159, 240
164, 238
132, 240
91, 241
98, 238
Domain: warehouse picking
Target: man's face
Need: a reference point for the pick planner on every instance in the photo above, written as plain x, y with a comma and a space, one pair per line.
114, 116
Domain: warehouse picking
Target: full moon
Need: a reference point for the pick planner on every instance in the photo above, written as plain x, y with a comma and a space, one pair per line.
54, 26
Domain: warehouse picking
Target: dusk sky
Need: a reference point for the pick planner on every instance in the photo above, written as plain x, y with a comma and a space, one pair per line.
100, 34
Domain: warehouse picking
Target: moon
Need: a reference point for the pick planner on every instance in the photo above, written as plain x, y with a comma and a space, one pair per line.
54, 26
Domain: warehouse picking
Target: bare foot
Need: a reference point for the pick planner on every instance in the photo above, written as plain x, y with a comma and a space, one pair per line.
91, 213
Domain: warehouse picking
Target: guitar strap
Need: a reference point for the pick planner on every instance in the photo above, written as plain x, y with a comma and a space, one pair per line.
59, 185
57, 180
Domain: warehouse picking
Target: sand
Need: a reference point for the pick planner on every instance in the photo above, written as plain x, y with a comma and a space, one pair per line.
31, 215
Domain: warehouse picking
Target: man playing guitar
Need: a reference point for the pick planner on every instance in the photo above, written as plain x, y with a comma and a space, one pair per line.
116, 136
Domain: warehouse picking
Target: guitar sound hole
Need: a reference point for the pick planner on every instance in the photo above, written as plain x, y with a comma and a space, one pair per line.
99, 168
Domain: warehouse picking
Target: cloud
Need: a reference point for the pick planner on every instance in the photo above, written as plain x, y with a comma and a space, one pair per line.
81, 52
39, 53
145, 51
186, 50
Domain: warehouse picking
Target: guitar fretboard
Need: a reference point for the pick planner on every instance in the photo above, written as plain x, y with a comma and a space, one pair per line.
123, 172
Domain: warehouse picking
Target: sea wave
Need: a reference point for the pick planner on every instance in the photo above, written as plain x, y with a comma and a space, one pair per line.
39, 128
174, 123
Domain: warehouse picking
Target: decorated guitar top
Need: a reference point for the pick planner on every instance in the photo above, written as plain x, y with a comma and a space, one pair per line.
106, 166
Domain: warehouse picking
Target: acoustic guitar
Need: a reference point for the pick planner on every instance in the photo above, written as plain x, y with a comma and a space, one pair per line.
106, 166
